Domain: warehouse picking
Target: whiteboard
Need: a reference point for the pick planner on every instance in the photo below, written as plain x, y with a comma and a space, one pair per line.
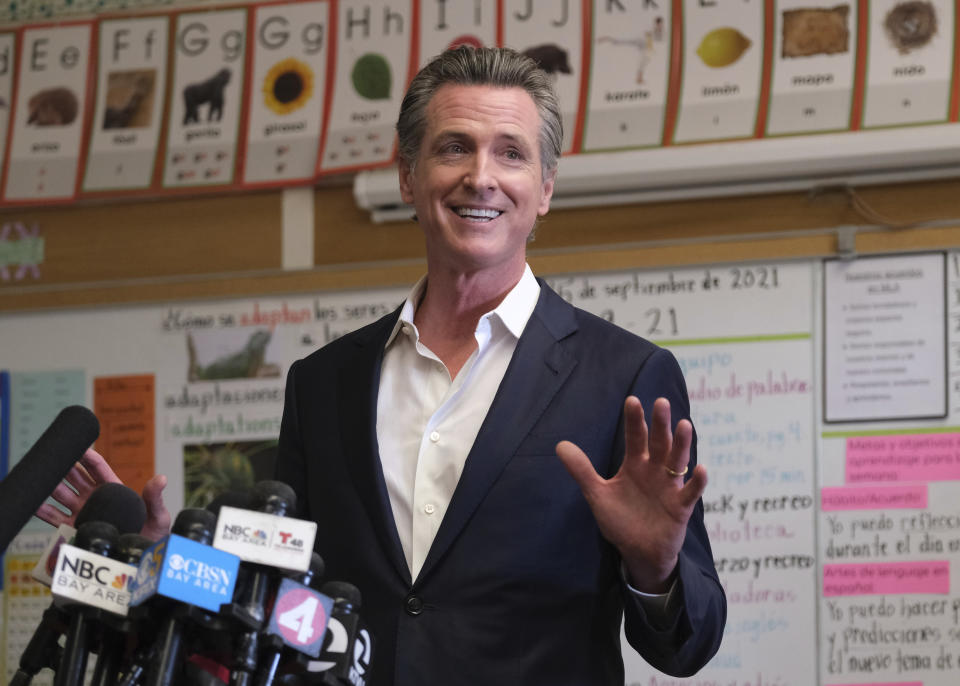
781, 511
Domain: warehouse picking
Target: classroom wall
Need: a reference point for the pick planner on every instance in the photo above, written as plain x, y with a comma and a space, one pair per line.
233, 244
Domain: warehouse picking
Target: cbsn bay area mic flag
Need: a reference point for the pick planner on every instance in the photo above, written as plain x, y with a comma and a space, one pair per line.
182, 569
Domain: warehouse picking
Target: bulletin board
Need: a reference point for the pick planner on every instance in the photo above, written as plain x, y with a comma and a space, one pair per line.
835, 541
280, 94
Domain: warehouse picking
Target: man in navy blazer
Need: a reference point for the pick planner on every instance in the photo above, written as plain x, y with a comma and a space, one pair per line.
470, 459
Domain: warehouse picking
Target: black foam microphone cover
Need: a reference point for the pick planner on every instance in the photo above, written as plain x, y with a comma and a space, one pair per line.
35, 476
196, 524
115, 503
343, 593
240, 499
273, 497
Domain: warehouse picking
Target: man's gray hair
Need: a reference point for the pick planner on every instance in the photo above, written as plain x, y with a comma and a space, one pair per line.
468, 66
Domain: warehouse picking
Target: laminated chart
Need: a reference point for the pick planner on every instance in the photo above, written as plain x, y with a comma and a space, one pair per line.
910, 62
8, 44
287, 94
813, 66
742, 336
128, 116
551, 33
885, 347
452, 24
48, 121
630, 47
372, 71
723, 43
206, 98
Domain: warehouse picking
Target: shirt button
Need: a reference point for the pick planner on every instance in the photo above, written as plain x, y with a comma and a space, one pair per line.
429, 508
413, 605
434, 436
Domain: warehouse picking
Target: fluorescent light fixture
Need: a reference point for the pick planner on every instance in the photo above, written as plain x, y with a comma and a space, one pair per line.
770, 165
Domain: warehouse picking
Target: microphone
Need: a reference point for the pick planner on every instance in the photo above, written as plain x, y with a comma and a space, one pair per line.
126, 509
183, 567
43, 466
263, 539
298, 620
89, 581
116, 632
108, 502
348, 645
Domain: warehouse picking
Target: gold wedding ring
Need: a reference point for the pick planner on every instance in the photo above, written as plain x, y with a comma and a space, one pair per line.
672, 472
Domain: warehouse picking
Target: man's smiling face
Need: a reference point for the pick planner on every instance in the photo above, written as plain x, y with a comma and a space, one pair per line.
477, 185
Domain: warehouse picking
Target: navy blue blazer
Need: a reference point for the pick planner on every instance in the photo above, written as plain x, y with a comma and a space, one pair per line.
518, 587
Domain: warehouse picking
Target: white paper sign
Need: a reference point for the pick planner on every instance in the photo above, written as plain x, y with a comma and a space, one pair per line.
206, 98
885, 338
131, 83
49, 118
287, 91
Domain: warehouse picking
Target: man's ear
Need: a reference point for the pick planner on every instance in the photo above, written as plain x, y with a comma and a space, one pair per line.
405, 174
547, 191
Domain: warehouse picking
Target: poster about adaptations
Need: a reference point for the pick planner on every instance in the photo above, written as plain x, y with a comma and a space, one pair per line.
452, 24
910, 62
131, 79
814, 58
205, 98
52, 76
373, 64
551, 32
722, 69
291, 49
629, 75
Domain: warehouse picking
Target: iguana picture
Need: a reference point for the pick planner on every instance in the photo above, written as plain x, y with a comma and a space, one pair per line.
247, 363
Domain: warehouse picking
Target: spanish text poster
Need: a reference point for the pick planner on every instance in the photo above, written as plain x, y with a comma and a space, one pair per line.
131, 82
743, 339
814, 61
52, 76
36, 399
551, 32
206, 96
722, 69
287, 95
885, 338
7, 62
373, 66
222, 397
953, 319
124, 406
888, 548
445, 24
24, 601
629, 74
910, 62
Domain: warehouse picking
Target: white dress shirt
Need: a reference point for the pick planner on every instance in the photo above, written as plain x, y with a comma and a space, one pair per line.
427, 422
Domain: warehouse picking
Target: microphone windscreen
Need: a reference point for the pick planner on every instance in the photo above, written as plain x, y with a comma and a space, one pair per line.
35, 476
98, 537
196, 524
116, 504
239, 499
130, 548
274, 497
341, 590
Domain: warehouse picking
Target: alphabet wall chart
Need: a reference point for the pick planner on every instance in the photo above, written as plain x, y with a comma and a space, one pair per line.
283, 93
825, 396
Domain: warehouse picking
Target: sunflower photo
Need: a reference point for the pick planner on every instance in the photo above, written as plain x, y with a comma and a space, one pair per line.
288, 86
